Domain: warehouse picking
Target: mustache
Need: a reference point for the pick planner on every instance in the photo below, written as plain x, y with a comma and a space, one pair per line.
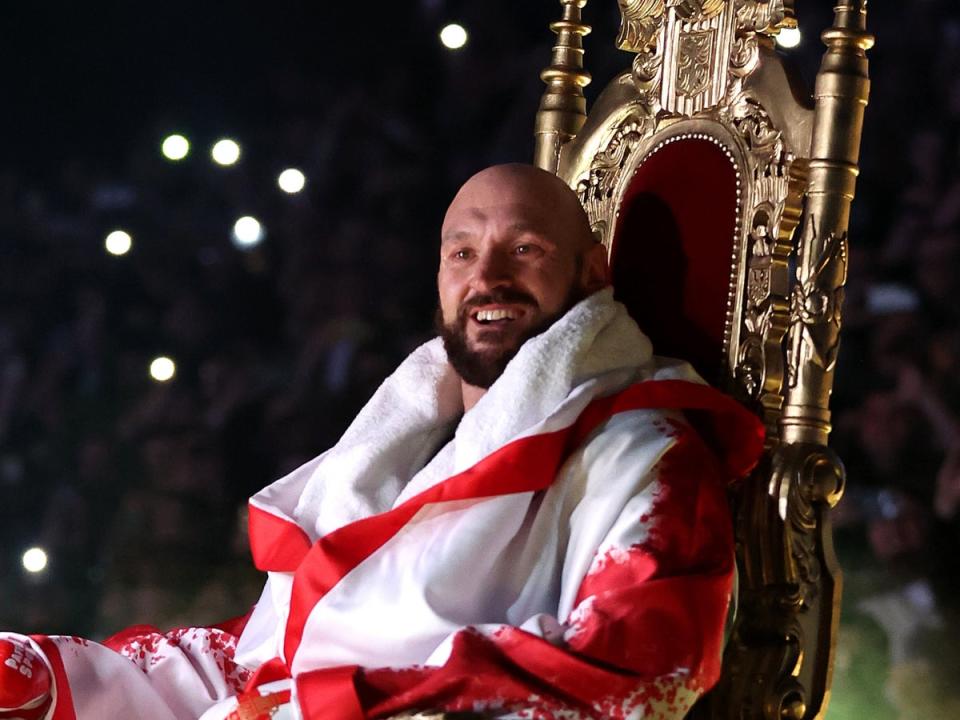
504, 296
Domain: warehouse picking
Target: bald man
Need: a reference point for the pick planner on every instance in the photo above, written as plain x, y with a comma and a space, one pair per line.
520, 523
516, 253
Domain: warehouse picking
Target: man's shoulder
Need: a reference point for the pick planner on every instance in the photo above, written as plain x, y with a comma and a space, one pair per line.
628, 442
646, 428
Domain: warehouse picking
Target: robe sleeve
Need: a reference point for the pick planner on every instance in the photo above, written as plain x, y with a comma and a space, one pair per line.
146, 673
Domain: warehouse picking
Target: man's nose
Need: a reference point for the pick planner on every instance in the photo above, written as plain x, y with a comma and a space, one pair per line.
493, 270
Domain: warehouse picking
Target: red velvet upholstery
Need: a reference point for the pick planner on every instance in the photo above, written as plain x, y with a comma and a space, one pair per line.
672, 250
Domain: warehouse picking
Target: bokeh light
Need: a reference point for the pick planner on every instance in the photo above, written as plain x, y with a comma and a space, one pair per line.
225, 152
175, 147
162, 368
291, 180
118, 242
453, 36
247, 232
35, 560
789, 37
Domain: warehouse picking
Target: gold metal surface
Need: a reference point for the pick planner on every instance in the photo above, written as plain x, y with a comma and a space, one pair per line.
708, 69
639, 22
628, 121
563, 107
841, 93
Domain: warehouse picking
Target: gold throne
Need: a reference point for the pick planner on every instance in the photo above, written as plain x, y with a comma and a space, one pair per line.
723, 197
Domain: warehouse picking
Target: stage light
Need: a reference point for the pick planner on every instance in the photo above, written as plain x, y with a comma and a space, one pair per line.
247, 232
118, 242
175, 147
225, 152
291, 180
162, 369
34, 560
789, 37
453, 36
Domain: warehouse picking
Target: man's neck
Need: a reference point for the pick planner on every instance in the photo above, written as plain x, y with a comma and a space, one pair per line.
471, 395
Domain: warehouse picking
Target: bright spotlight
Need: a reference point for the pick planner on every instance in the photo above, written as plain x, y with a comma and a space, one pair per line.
175, 147
34, 560
453, 36
118, 242
162, 369
789, 37
247, 232
225, 152
291, 180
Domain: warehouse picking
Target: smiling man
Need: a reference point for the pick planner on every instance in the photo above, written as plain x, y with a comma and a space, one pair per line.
516, 253
520, 523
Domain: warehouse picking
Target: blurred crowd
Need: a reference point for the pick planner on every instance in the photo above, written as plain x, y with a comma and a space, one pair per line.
136, 488
896, 399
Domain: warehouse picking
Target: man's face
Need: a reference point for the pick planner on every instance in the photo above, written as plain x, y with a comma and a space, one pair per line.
508, 270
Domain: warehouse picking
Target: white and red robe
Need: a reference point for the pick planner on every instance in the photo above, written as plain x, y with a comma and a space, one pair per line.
562, 550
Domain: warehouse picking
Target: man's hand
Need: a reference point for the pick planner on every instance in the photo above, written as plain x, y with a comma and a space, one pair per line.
24, 681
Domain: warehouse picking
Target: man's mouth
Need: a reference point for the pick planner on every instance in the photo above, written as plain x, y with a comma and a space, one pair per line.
496, 315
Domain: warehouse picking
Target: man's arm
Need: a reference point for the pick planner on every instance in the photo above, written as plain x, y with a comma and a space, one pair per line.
140, 673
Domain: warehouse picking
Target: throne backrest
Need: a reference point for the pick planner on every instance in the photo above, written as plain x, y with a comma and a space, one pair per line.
675, 232
723, 197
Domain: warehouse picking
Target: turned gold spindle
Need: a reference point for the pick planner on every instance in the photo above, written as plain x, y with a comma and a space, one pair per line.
563, 107
842, 90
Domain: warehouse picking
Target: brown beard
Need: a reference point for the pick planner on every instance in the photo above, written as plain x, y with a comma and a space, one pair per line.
482, 368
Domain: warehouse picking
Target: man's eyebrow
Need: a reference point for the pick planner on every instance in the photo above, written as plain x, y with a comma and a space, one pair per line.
460, 233
521, 226
454, 235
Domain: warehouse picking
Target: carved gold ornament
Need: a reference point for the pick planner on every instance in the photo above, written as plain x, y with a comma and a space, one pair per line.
640, 21
816, 305
693, 67
706, 69
697, 9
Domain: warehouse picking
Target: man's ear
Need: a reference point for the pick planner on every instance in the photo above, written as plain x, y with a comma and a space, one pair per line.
596, 270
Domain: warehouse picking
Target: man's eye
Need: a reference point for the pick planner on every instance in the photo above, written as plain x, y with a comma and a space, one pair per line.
463, 254
525, 249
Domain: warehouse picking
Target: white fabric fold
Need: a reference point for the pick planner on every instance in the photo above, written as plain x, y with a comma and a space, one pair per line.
594, 349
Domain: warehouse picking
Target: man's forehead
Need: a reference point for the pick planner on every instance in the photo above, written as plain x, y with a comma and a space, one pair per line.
517, 216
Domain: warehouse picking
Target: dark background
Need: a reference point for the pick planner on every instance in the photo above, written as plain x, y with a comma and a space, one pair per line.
136, 489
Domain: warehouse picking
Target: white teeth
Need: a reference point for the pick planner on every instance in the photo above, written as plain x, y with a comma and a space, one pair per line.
489, 315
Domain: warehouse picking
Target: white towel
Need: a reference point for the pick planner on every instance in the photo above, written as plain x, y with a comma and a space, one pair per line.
378, 460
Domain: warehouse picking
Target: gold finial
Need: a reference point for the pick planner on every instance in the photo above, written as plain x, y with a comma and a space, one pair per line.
849, 26
563, 108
